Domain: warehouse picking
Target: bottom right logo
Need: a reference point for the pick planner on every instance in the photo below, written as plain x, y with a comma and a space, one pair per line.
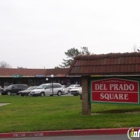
133, 133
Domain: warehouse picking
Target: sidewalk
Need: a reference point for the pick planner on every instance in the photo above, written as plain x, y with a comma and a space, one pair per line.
108, 131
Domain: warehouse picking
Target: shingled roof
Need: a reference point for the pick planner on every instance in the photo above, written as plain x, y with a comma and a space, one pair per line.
9, 72
59, 72
106, 64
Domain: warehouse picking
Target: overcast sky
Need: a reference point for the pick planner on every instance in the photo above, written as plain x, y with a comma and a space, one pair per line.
36, 33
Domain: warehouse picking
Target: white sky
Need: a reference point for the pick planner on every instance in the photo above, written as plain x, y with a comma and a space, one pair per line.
36, 33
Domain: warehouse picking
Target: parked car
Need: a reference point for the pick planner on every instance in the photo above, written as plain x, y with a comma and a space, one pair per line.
76, 91
48, 89
65, 89
1, 89
72, 86
27, 91
14, 89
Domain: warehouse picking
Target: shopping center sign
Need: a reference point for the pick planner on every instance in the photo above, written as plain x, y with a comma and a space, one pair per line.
115, 90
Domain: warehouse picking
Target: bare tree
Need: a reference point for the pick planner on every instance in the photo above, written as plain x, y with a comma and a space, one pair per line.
21, 67
3, 64
138, 50
134, 48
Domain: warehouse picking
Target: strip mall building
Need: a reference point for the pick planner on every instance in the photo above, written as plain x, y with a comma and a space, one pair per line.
83, 67
36, 76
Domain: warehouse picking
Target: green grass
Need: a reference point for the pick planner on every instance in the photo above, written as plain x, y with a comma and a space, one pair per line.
59, 113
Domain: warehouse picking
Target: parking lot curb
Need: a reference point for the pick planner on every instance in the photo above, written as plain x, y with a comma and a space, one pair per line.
108, 131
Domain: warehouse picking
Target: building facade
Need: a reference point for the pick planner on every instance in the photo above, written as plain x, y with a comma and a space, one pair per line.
35, 77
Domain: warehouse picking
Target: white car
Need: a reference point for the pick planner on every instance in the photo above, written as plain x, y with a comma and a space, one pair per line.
48, 89
73, 86
65, 89
76, 91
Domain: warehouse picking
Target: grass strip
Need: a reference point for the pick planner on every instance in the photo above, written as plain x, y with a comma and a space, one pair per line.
62, 113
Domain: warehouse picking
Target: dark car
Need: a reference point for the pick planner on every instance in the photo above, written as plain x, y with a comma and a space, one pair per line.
1, 89
14, 89
27, 91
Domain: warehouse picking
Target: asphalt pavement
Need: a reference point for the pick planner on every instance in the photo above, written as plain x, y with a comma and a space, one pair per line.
87, 137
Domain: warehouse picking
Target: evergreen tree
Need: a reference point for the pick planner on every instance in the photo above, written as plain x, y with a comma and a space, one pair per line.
71, 53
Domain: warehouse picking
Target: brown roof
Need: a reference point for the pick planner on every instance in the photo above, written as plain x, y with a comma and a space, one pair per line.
60, 72
106, 64
9, 72
25, 72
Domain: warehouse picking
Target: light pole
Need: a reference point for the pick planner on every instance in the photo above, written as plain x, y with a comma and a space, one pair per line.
52, 83
47, 79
